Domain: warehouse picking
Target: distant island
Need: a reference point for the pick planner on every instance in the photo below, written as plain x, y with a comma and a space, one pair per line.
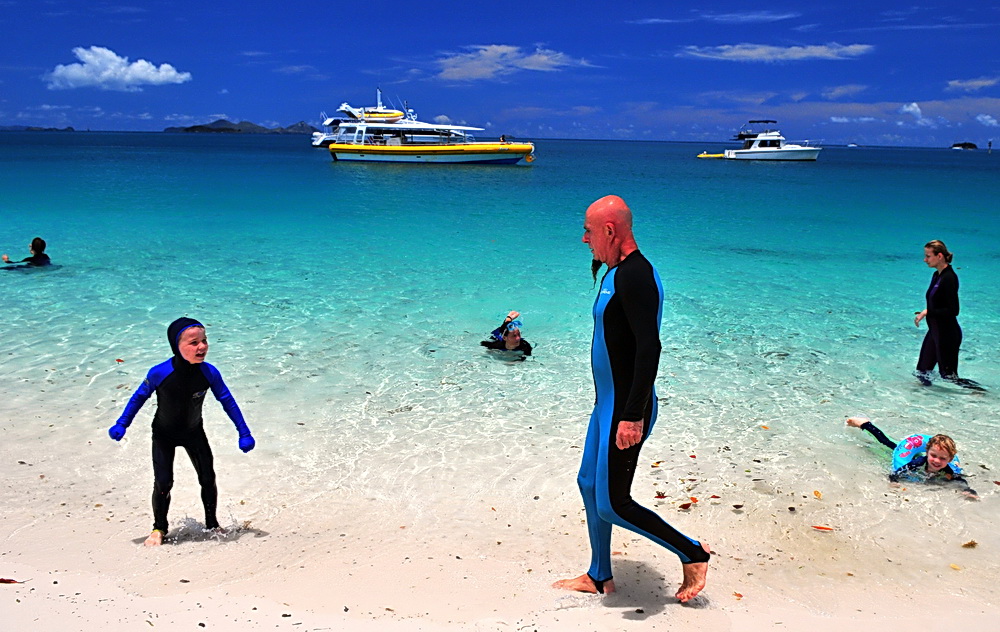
32, 128
965, 145
222, 126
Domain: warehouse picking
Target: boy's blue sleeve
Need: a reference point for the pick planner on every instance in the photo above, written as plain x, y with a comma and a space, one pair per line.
153, 379
221, 392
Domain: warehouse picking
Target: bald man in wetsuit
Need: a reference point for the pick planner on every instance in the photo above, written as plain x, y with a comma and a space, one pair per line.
625, 355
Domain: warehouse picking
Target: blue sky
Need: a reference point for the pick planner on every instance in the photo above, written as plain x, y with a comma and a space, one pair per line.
878, 72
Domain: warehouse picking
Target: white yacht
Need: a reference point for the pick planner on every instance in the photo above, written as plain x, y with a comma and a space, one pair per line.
765, 144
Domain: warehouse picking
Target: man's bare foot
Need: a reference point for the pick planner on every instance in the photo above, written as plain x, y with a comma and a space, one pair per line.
694, 579
155, 538
584, 584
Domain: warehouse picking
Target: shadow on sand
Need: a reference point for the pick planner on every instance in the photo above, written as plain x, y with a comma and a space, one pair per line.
192, 532
643, 592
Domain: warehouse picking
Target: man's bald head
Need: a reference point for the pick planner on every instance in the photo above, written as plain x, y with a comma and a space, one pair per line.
612, 208
607, 230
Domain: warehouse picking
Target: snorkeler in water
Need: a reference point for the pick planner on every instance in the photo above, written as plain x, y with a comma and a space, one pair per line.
507, 337
180, 385
920, 457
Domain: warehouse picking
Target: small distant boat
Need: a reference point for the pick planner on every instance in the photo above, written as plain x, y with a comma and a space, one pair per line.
766, 144
852, 145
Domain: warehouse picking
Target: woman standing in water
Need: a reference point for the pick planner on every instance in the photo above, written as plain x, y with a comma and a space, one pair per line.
944, 336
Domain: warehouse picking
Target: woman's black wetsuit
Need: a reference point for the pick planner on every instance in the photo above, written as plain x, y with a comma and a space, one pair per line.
944, 336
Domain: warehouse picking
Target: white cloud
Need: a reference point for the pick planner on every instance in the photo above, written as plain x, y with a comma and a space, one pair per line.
750, 17
103, 68
987, 120
918, 115
646, 21
843, 91
971, 85
767, 53
224, 91
443, 119
496, 60
853, 119
295, 70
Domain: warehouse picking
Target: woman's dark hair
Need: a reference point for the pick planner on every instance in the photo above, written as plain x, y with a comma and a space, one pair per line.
937, 247
38, 245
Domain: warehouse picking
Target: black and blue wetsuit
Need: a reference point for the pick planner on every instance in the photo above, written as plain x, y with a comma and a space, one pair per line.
944, 336
625, 355
180, 389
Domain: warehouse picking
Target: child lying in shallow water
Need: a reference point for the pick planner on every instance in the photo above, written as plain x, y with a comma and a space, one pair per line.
920, 457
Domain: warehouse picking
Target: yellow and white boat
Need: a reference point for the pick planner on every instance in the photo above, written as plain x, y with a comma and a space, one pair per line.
375, 135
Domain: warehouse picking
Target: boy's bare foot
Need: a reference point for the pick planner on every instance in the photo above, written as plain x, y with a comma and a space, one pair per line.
856, 422
694, 579
585, 584
155, 538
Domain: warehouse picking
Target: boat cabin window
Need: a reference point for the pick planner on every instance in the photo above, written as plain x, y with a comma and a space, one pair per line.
762, 143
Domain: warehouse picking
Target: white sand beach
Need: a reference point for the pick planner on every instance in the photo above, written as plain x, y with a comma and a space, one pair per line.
481, 557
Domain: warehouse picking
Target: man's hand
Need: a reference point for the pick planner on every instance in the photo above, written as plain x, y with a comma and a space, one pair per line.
629, 434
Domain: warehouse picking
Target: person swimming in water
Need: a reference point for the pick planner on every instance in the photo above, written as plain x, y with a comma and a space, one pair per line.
180, 384
37, 259
920, 456
507, 337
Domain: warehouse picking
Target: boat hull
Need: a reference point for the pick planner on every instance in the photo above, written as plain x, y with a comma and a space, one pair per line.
784, 153
468, 153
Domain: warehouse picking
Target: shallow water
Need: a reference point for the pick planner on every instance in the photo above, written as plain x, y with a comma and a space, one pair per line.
345, 303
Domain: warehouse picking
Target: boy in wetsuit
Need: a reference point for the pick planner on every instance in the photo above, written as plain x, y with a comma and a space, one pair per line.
936, 460
180, 385
38, 257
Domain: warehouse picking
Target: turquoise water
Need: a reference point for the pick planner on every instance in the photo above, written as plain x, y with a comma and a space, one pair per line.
346, 302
